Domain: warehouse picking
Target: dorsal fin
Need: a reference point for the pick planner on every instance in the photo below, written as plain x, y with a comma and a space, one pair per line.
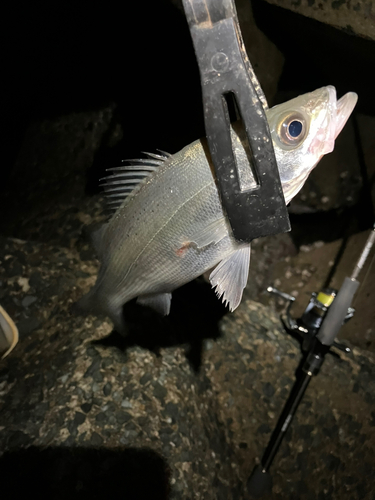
125, 178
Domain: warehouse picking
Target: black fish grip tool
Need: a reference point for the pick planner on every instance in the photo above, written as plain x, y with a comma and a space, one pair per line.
253, 210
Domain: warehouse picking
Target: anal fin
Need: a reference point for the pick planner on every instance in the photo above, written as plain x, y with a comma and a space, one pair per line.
229, 277
159, 302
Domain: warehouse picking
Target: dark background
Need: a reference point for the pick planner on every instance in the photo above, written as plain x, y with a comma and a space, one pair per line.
68, 56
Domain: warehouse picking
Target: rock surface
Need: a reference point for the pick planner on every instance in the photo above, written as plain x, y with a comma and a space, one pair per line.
48, 181
76, 403
355, 17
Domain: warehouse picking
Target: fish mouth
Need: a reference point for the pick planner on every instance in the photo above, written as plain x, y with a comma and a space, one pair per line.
338, 112
329, 142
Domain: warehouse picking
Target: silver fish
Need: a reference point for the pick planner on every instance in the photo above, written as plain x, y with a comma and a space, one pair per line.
169, 227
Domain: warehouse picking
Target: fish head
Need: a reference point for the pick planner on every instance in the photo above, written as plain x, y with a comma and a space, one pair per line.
303, 130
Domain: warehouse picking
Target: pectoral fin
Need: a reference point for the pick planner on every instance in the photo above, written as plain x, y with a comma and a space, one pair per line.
159, 302
229, 278
212, 233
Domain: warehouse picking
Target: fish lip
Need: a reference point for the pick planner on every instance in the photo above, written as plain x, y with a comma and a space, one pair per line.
329, 143
344, 108
339, 112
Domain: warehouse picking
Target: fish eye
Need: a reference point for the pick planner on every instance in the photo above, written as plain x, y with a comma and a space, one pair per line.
292, 130
295, 128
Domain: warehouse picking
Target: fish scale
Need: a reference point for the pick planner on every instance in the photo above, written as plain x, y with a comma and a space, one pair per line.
171, 227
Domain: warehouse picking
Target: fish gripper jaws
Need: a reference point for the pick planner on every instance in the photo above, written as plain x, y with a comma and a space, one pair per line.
226, 73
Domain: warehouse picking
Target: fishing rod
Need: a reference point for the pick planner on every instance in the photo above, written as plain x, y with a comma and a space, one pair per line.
316, 329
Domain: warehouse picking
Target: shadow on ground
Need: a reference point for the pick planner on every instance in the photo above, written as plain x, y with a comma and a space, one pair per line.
78, 473
194, 317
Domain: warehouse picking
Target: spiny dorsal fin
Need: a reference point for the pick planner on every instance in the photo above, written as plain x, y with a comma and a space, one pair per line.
125, 178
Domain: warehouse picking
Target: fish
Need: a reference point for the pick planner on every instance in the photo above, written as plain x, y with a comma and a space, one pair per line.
168, 226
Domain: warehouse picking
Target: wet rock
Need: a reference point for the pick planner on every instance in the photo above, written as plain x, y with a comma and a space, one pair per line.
355, 17
101, 418
98, 376
79, 418
57, 150
96, 440
160, 392
36, 280
211, 425
27, 325
172, 411
15, 269
265, 254
264, 429
365, 126
41, 409
18, 439
93, 368
107, 389
145, 378
107, 363
28, 300
268, 390
122, 417
126, 404
86, 407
